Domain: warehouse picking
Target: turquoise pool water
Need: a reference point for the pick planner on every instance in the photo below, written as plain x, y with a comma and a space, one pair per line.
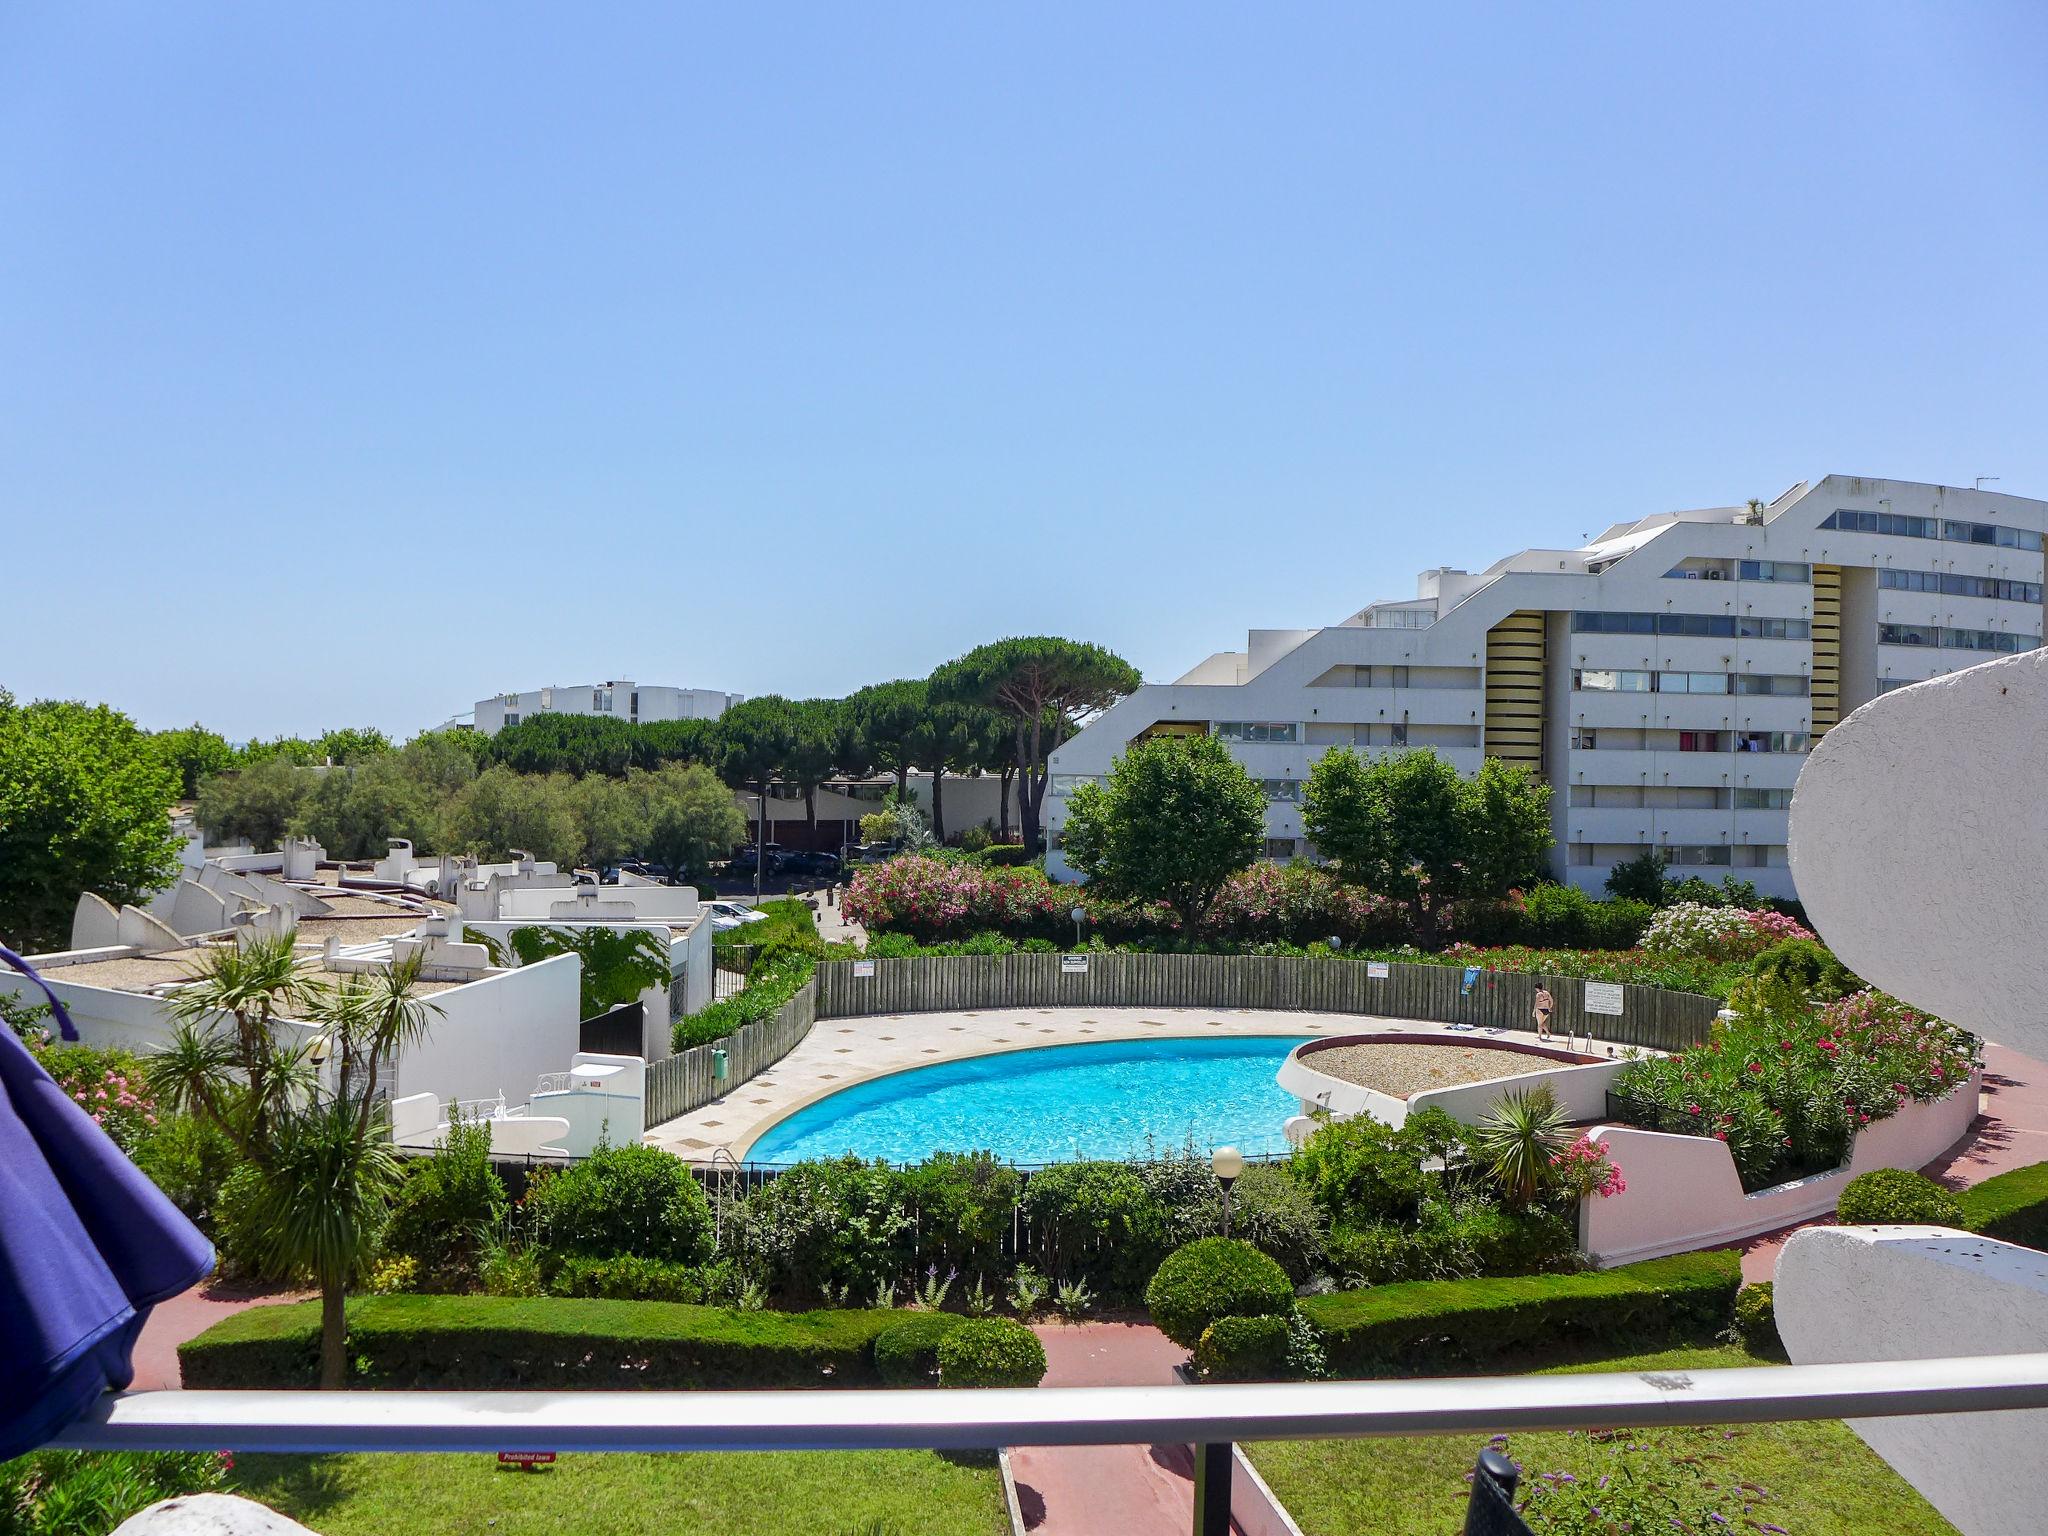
1112, 1098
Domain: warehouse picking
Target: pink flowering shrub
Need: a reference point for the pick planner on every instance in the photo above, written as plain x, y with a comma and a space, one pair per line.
935, 900
1788, 1087
1584, 1169
1693, 931
1301, 904
107, 1085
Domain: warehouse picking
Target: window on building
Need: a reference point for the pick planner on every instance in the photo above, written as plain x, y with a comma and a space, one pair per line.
1995, 534
635, 705
2002, 641
1772, 741
1594, 623
1692, 682
547, 698
1258, 730
1700, 741
1762, 799
1403, 618
1585, 739
1778, 684
1774, 570
1279, 848
1288, 790
1897, 524
512, 718
1695, 855
1579, 853
1909, 634
1773, 629
1607, 680
1399, 731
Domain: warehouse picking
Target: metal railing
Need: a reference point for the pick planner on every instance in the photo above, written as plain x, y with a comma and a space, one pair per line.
1205, 1416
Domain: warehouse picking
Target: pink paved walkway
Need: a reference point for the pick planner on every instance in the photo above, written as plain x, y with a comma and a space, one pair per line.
184, 1317
1087, 1490
2011, 1131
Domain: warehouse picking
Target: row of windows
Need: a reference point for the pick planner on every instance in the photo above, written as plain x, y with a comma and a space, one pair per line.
1904, 526
1953, 585
1773, 570
1288, 790
1258, 730
2001, 641
1587, 738
1725, 626
1615, 680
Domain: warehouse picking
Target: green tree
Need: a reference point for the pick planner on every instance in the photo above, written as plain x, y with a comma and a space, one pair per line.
1177, 818
1045, 688
351, 744
354, 812
690, 816
195, 752
613, 819
258, 803
1407, 826
1519, 1139
957, 739
618, 963
756, 738
1639, 879
573, 744
85, 802
815, 739
675, 741
500, 811
885, 718
296, 750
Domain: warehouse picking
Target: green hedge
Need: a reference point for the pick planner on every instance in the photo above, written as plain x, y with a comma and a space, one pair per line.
482, 1343
1431, 1324
2012, 1207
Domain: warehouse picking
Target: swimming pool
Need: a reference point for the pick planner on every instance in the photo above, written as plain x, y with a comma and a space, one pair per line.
1110, 1098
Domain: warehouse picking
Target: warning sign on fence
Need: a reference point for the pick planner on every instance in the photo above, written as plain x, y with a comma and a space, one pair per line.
1603, 997
863, 967
1073, 965
1375, 970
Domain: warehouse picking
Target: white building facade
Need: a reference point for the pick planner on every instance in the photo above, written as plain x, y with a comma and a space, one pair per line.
1666, 680
635, 703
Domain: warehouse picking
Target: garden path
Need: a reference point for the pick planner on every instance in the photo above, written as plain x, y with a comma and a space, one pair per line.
2010, 1131
186, 1316
1085, 1490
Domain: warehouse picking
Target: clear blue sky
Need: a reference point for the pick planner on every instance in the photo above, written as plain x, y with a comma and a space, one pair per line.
359, 360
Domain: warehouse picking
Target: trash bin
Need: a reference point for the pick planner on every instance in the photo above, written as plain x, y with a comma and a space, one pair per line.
718, 1064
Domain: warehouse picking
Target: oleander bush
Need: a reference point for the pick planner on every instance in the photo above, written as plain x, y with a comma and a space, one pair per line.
1886, 1196
990, 1352
630, 1199
1429, 1325
482, 1343
907, 1352
1211, 1278
1695, 931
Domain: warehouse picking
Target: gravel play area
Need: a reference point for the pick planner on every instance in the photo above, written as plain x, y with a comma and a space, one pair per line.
1400, 1070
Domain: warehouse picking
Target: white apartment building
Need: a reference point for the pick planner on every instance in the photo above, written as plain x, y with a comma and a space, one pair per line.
635, 703
1666, 680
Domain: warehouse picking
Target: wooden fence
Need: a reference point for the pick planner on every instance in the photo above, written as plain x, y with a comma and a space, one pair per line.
1650, 1016
685, 1081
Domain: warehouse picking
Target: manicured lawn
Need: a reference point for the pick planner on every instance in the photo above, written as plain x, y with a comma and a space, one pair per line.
1821, 1479
811, 1493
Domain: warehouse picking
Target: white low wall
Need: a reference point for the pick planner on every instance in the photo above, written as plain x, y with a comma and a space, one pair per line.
1684, 1193
1580, 1087
1923, 1293
498, 1035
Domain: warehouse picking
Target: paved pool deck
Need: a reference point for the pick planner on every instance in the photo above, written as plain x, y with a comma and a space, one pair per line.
839, 1053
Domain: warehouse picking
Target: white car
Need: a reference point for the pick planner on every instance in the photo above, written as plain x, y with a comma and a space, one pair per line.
728, 915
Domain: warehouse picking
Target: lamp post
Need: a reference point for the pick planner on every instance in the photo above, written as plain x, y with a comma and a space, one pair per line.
1077, 915
1335, 943
1228, 1163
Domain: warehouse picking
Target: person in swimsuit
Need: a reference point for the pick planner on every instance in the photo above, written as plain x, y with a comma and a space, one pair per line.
1546, 1005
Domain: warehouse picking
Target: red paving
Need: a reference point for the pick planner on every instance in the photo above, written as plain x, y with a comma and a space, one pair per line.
1086, 1490
2011, 1131
184, 1317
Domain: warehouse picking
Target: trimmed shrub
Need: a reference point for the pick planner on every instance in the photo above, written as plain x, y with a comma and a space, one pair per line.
1243, 1349
1100, 1223
190, 1159
1454, 1239
965, 1202
2012, 1207
990, 1352
1004, 855
631, 1199
482, 1343
907, 1353
448, 1205
838, 1226
1888, 1195
1428, 1325
628, 1277
1756, 1319
1213, 1278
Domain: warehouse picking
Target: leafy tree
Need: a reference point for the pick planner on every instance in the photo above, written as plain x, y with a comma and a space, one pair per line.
1177, 818
257, 803
85, 803
675, 741
1045, 687
352, 744
814, 752
195, 752
1639, 879
756, 738
1411, 829
500, 811
955, 738
618, 963
296, 750
613, 819
690, 818
354, 812
573, 744
885, 719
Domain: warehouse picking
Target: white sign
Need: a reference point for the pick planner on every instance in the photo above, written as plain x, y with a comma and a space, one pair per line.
1603, 997
863, 967
1073, 965
1375, 970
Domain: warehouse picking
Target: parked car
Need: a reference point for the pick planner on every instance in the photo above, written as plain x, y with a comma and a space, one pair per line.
872, 853
814, 863
728, 915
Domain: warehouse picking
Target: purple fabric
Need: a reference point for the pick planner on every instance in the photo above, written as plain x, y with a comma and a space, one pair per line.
87, 1246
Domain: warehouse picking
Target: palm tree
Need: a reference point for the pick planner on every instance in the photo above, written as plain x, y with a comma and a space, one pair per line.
1517, 1139
618, 963
227, 1060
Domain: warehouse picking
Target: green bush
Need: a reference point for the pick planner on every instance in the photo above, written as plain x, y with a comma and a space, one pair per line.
1808, 965
1569, 918
2012, 1207
1003, 854
86, 1493
1273, 1213
1100, 1224
907, 1353
631, 1199
837, 1227
1363, 1170
236, 1237
190, 1159
1454, 1239
449, 1205
629, 1277
1430, 1325
1897, 1195
965, 1203
1212, 1278
990, 1352
477, 1343
1756, 1319
774, 980
1243, 1349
